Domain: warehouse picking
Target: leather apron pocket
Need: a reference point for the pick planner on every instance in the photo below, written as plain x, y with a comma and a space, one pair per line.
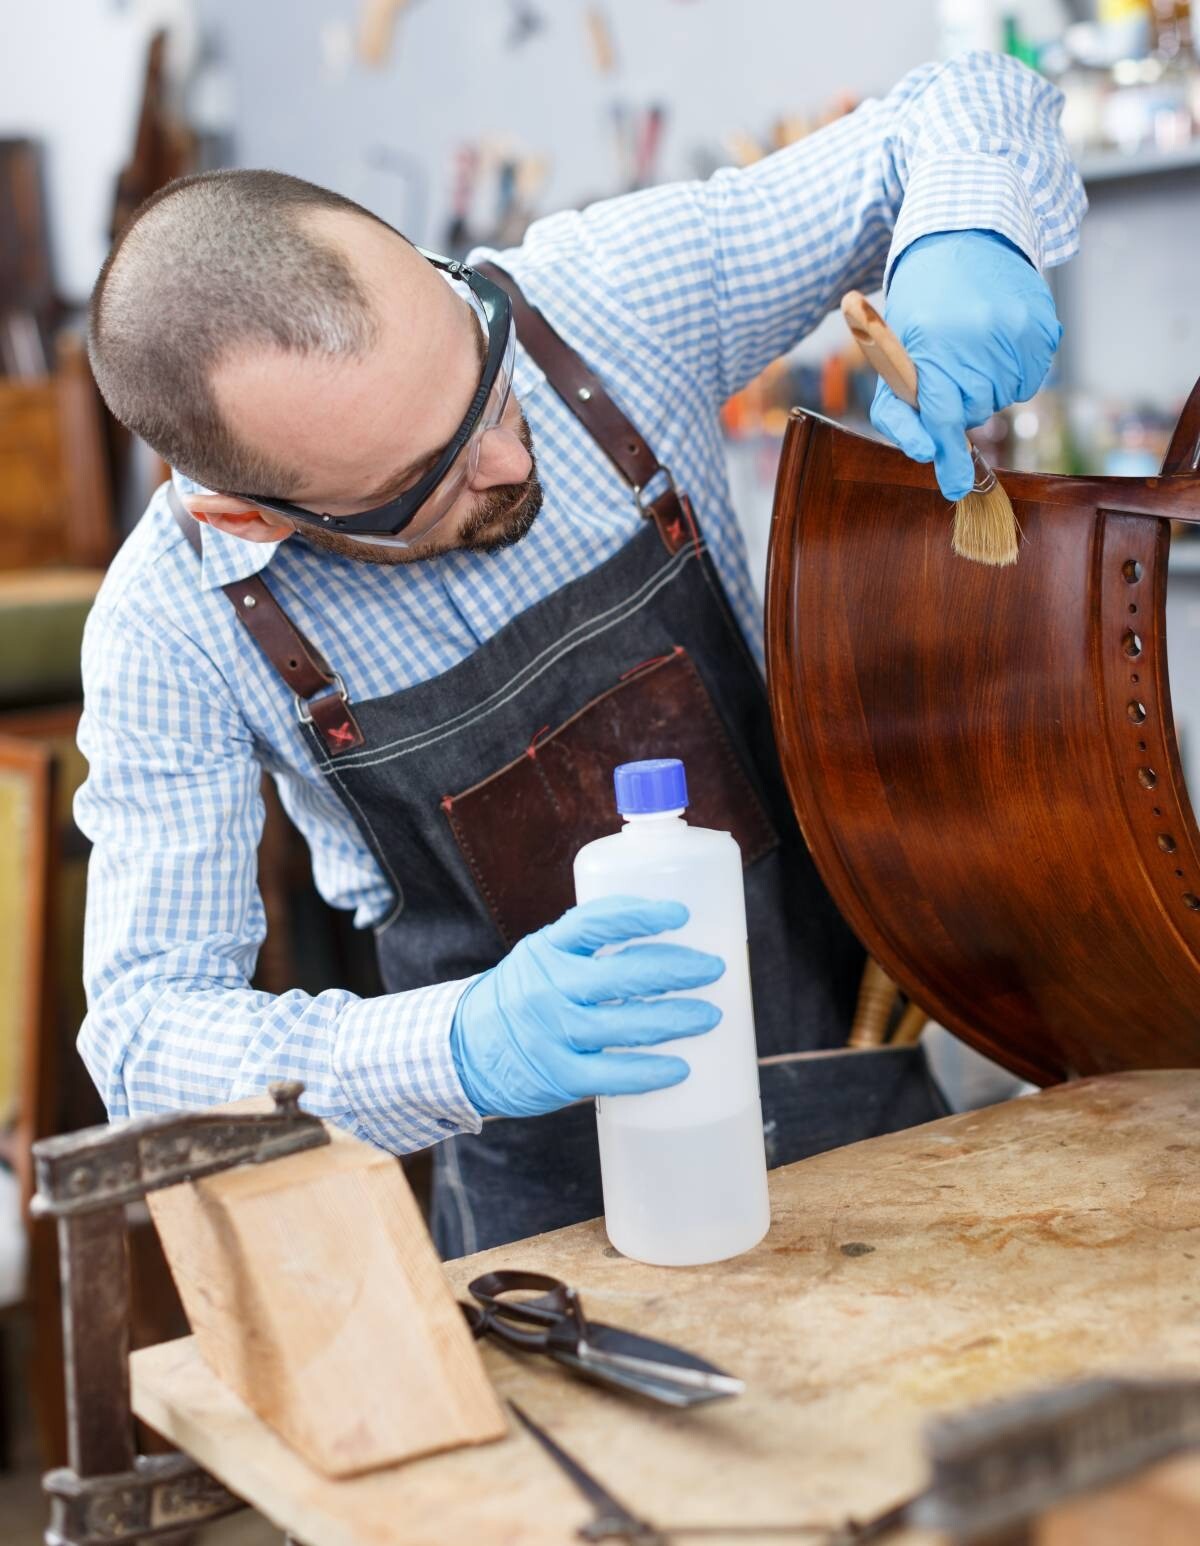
532, 816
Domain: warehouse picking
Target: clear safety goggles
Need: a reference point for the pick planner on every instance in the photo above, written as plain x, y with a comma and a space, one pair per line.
412, 515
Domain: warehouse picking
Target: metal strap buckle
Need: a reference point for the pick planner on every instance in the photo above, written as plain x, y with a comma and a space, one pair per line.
302, 713
662, 480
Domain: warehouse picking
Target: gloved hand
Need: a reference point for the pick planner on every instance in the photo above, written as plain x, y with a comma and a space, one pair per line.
979, 323
529, 1035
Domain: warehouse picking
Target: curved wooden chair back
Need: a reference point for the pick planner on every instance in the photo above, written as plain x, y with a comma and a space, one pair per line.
983, 761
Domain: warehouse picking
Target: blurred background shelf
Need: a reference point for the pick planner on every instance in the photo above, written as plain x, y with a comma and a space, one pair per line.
1103, 166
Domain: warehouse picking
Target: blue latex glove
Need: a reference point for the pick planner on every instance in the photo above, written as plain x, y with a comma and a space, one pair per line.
978, 321
529, 1036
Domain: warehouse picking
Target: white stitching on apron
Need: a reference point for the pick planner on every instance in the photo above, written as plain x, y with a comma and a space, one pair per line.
549, 657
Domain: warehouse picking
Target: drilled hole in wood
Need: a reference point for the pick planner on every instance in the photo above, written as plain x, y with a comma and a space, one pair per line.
1132, 571
1131, 644
1133, 606
1190, 899
1136, 711
1147, 777
1141, 746
1179, 874
1156, 811
1166, 842
1134, 678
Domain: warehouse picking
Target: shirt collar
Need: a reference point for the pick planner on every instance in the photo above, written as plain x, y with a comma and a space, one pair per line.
225, 559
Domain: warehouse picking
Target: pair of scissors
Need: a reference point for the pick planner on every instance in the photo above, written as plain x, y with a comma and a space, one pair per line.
554, 1323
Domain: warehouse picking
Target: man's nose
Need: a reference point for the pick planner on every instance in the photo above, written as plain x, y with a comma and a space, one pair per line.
502, 459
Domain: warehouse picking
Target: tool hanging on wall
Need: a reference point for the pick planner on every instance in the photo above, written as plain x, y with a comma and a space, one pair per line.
649, 142
519, 180
462, 193
637, 140
526, 22
600, 39
378, 21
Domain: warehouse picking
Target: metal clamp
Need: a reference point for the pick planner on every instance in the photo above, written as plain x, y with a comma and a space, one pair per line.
104, 1167
1006, 1463
86, 1180
162, 1495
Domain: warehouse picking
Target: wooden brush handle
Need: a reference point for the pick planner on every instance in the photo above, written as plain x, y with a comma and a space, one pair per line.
882, 349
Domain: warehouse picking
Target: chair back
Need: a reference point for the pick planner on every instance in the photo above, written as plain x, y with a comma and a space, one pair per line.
983, 760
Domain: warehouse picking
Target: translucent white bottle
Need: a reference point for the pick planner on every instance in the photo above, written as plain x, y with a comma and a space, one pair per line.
684, 1169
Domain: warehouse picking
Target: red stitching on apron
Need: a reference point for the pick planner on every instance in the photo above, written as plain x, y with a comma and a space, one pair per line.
655, 660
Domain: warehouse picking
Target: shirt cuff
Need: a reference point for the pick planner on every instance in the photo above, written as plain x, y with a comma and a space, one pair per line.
966, 192
393, 1057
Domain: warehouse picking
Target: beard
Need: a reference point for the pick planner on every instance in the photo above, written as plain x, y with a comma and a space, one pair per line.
499, 518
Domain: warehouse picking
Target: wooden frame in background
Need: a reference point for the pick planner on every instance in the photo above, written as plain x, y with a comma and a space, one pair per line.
28, 858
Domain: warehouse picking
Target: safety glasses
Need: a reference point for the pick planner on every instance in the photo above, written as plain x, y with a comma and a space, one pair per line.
411, 517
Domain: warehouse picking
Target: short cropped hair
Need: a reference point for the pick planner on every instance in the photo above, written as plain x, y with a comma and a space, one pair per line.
210, 264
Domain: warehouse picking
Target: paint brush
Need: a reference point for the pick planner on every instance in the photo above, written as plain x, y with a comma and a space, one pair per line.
985, 527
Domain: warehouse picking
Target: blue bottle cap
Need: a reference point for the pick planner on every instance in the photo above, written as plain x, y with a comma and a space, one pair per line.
645, 787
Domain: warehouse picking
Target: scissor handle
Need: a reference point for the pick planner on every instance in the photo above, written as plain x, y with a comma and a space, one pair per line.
554, 1306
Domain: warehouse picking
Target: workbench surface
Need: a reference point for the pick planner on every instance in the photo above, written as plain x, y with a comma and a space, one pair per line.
978, 1256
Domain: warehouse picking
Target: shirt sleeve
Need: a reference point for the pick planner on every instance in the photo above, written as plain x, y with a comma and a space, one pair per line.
174, 920
732, 272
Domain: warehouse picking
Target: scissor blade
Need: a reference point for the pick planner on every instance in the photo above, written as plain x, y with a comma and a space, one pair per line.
613, 1520
669, 1373
659, 1361
613, 1377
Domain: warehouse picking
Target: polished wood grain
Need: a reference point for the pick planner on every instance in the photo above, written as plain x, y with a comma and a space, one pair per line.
983, 760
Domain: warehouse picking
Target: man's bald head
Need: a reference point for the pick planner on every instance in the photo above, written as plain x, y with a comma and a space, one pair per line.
213, 266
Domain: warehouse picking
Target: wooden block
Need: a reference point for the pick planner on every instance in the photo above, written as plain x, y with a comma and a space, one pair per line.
315, 1294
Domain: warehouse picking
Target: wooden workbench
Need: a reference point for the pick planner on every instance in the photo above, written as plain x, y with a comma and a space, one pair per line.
918, 1273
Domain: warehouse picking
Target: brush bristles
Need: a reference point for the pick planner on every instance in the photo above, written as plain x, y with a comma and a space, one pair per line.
985, 528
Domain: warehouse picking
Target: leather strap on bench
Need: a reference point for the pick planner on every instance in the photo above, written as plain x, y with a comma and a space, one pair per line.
585, 395
297, 660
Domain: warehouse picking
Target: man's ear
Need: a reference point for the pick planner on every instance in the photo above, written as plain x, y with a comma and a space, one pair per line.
237, 518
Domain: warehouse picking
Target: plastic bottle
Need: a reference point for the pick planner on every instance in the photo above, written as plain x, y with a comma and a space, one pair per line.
684, 1169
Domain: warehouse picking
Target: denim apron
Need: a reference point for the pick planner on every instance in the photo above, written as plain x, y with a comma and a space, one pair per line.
474, 790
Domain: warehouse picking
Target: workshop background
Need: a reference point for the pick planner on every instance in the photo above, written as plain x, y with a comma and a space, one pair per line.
459, 124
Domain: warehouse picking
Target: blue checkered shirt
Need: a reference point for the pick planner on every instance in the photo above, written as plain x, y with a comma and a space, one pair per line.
677, 296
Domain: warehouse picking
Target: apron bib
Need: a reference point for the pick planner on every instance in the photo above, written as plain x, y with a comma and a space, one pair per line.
476, 788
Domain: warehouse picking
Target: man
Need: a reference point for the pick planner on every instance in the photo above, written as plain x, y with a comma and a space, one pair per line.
455, 643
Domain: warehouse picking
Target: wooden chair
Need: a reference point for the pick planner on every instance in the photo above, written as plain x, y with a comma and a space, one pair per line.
983, 760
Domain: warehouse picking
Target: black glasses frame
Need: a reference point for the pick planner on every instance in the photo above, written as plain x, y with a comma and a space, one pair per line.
388, 520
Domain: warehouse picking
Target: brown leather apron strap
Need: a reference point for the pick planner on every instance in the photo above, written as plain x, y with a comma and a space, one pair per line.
297, 660
585, 395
